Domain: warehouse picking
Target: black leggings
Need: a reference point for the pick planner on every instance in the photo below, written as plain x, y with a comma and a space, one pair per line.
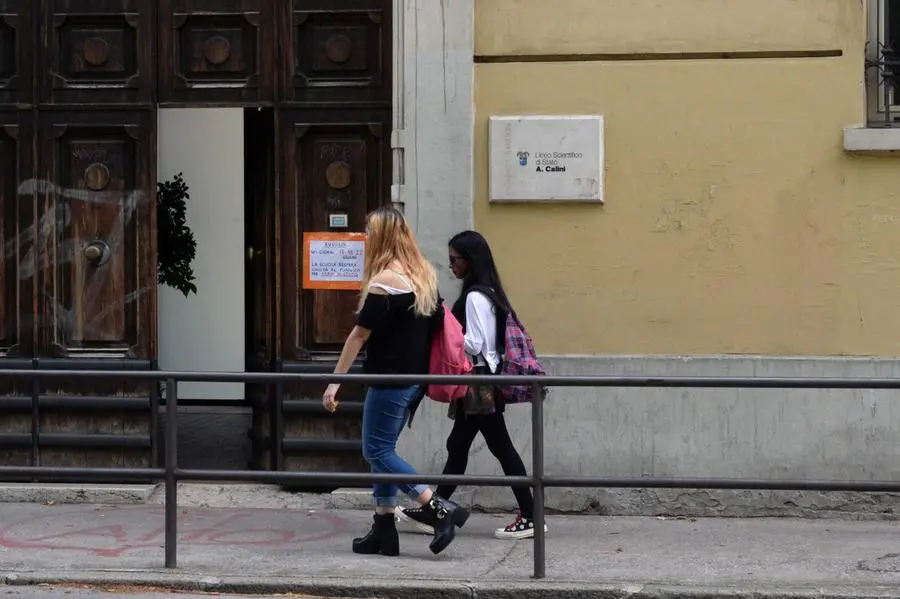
493, 428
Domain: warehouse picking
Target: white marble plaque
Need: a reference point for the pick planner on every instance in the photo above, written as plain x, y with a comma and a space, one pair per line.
546, 158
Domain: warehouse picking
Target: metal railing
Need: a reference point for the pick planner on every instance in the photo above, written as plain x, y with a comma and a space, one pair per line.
886, 85
883, 64
171, 474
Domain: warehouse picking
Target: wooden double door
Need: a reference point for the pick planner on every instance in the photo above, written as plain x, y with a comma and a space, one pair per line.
81, 82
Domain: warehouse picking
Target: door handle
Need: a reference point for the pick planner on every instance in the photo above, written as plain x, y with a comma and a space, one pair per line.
97, 252
253, 253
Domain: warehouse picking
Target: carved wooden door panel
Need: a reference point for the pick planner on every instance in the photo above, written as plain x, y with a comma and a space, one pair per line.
340, 49
98, 290
18, 237
77, 225
17, 50
334, 164
334, 98
217, 51
98, 51
333, 168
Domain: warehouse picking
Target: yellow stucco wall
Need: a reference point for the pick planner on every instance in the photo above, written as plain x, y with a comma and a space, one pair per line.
734, 221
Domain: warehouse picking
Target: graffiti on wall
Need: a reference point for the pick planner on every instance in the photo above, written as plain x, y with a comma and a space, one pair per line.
53, 241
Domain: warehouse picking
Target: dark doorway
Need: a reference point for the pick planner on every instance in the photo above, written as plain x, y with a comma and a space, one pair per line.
260, 191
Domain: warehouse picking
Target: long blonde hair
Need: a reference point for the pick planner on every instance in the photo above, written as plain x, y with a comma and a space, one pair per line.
388, 240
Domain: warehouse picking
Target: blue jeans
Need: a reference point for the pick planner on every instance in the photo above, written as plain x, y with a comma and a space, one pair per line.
384, 413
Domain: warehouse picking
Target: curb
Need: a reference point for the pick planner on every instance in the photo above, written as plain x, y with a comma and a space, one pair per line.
62, 494
438, 589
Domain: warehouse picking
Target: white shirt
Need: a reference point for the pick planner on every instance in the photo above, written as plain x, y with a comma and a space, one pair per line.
481, 329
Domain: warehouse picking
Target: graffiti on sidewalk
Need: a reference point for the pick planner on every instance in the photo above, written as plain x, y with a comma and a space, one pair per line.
115, 532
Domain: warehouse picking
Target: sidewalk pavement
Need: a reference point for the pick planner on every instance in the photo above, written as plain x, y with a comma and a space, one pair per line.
308, 551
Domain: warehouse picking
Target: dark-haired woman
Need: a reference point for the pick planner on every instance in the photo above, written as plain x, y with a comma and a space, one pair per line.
482, 309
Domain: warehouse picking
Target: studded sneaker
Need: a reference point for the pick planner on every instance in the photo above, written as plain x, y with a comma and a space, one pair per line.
522, 528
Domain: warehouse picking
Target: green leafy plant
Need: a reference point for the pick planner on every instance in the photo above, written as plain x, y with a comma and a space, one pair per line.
176, 246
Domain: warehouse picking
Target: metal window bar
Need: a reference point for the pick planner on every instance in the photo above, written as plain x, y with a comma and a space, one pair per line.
538, 481
883, 63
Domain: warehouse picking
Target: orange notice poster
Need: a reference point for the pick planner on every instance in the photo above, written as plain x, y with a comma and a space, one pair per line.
333, 260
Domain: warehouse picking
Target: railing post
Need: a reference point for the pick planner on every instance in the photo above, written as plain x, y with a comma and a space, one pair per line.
277, 429
537, 473
35, 415
171, 465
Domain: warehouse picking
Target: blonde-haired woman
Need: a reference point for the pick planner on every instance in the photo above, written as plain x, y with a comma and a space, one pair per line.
396, 312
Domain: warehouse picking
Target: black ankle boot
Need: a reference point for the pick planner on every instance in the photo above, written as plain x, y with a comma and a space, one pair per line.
381, 539
446, 516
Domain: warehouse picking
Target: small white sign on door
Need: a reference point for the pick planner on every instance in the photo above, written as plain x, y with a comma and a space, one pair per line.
338, 261
333, 260
546, 158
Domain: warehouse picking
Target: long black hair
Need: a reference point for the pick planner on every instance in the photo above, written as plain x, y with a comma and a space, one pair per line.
474, 249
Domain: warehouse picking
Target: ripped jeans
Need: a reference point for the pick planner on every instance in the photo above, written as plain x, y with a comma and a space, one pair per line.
384, 413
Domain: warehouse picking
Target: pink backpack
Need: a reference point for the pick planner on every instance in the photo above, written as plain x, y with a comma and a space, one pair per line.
448, 356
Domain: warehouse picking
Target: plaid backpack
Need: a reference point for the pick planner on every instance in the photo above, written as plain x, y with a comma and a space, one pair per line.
518, 356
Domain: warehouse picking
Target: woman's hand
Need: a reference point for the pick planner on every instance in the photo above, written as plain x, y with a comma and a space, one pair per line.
329, 399
355, 340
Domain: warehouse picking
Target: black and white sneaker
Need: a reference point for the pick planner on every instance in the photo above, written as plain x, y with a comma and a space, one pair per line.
522, 528
419, 519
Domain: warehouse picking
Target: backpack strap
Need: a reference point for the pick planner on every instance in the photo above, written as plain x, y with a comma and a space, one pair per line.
437, 318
